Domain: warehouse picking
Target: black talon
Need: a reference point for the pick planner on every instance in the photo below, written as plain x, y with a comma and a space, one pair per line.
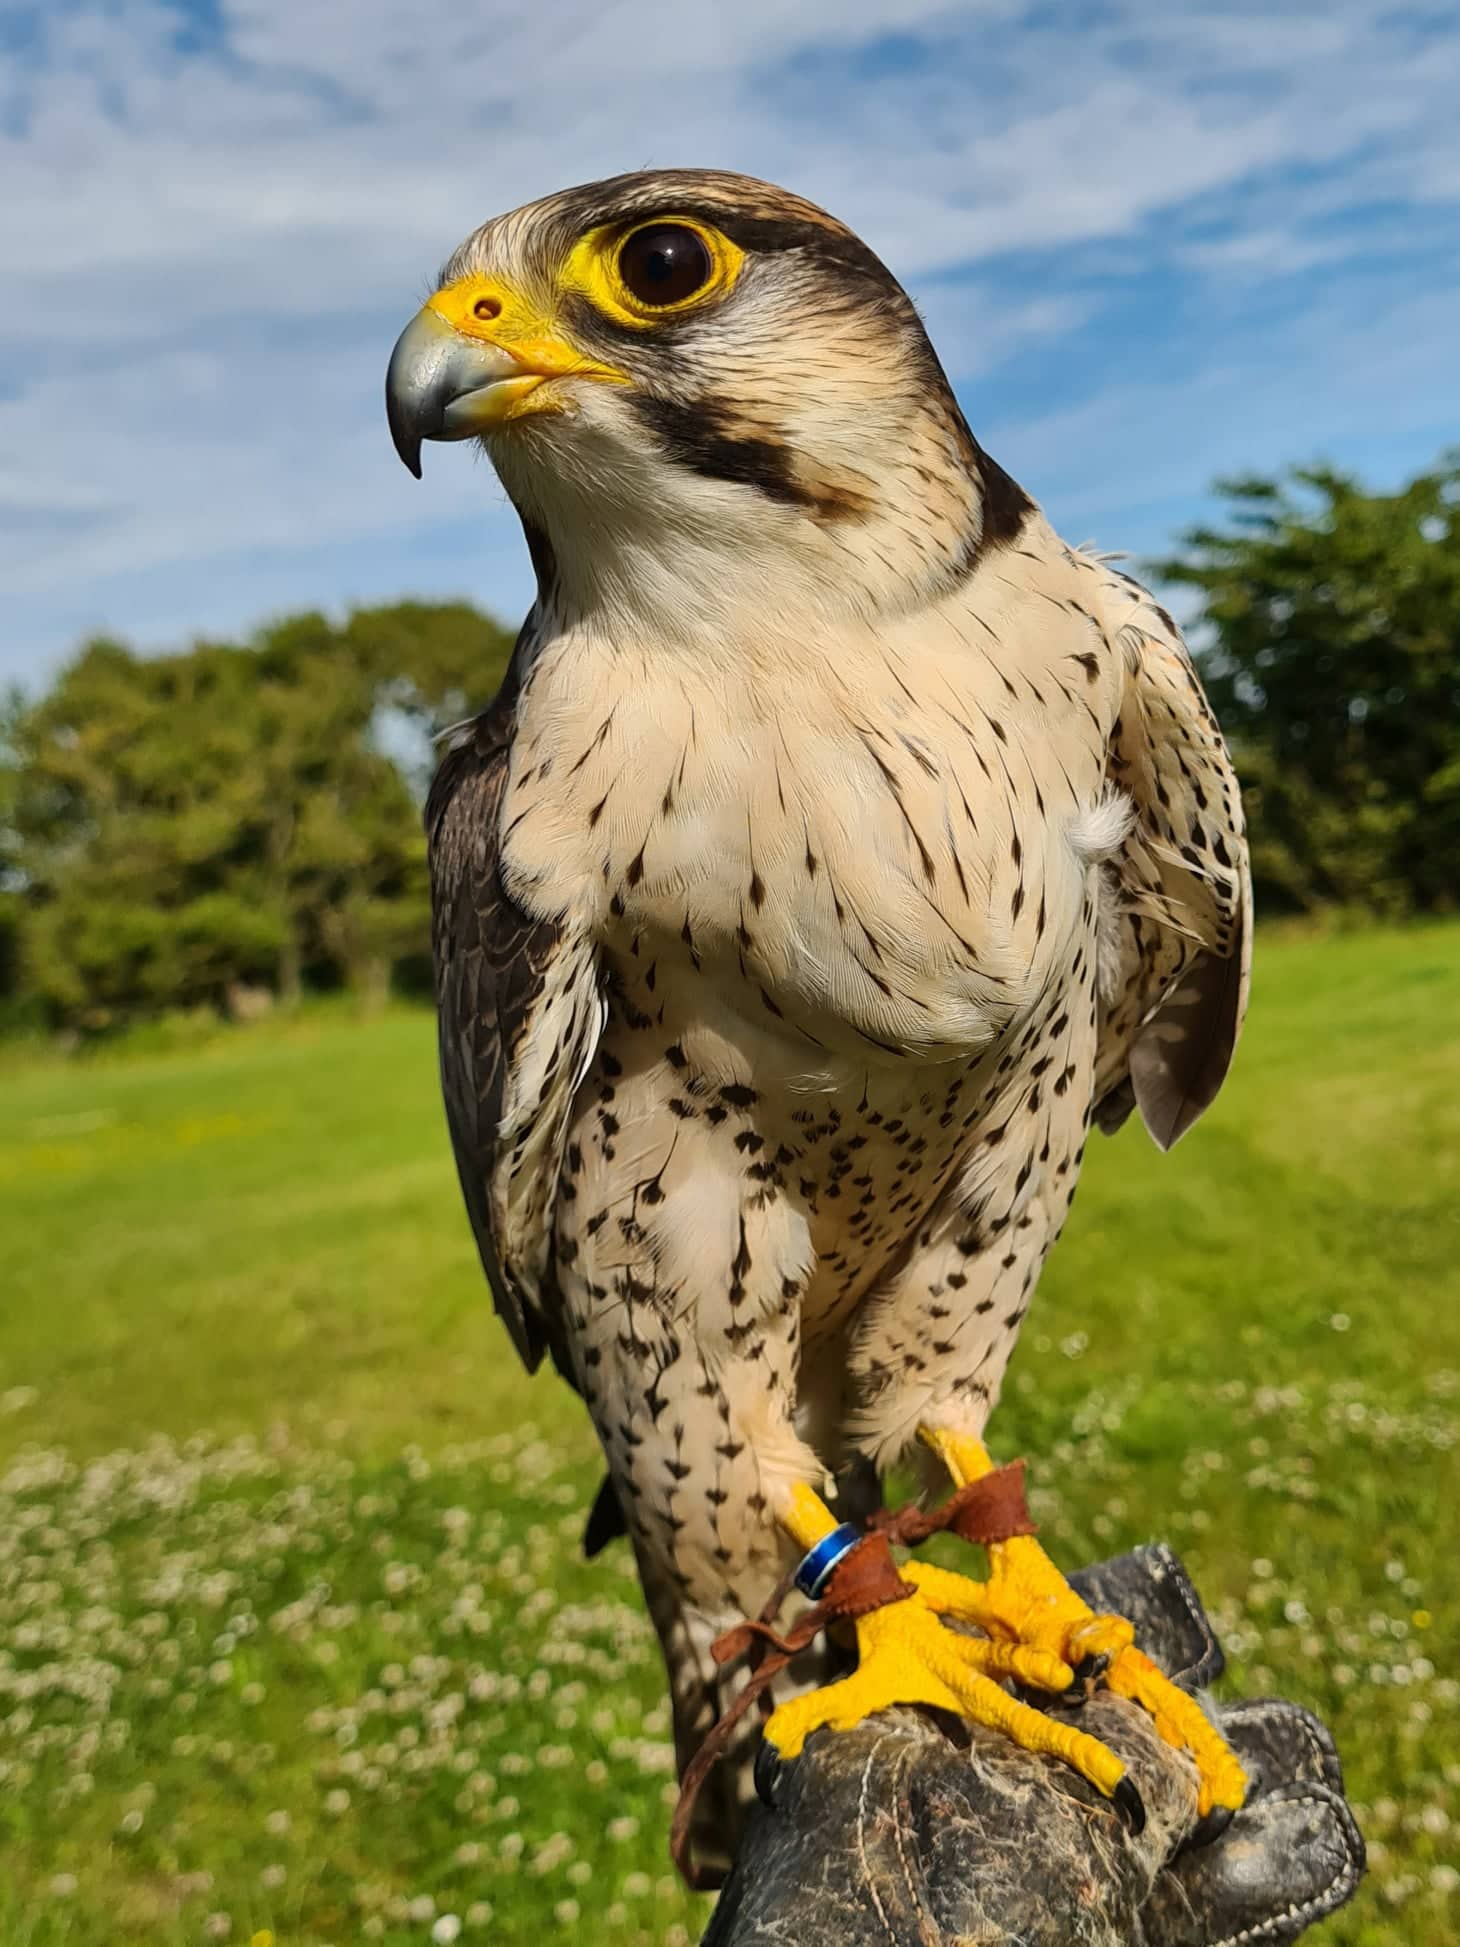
1088, 1672
769, 1772
1209, 1828
1131, 1806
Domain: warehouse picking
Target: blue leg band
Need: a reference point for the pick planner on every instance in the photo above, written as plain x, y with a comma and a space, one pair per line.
818, 1562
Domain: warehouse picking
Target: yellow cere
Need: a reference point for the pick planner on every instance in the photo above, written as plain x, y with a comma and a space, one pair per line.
592, 271
490, 310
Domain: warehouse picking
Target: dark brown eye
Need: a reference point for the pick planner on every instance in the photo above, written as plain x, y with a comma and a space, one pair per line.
665, 264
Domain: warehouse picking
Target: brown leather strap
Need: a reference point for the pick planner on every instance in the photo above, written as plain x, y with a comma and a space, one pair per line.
990, 1509
865, 1579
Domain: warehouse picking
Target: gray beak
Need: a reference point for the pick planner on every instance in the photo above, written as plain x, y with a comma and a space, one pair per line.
441, 385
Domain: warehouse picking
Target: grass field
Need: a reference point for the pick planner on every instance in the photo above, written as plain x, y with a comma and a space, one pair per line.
295, 1644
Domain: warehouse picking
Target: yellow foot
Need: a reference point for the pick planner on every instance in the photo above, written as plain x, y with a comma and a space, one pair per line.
906, 1656
1027, 1602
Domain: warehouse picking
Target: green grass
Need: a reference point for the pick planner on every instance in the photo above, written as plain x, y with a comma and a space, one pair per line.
294, 1638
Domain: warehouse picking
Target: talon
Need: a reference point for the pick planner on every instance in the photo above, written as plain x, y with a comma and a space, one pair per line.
1131, 1806
1182, 1723
1209, 1828
770, 1771
1027, 1601
1088, 1673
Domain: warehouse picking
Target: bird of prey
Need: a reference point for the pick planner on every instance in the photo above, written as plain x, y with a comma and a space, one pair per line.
840, 847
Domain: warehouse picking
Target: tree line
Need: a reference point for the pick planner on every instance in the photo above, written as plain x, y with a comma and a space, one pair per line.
235, 821
238, 823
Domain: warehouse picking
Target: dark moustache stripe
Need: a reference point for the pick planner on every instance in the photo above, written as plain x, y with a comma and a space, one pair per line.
702, 437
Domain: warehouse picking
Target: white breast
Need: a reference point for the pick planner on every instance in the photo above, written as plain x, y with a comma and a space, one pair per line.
855, 831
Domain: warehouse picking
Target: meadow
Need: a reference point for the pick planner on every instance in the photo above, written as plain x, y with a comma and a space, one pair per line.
296, 1645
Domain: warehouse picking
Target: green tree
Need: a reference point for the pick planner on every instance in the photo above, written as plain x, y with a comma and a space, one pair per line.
12, 707
175, 827
1334, 664
436, 661
136, 875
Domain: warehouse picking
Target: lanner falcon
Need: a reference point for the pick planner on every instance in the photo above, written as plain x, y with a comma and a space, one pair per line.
840, 846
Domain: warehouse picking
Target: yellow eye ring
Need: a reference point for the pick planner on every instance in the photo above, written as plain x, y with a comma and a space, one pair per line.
693, 263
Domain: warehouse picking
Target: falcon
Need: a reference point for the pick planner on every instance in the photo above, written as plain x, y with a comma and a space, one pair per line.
840, 847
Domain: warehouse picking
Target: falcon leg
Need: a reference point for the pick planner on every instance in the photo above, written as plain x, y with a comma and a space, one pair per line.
905, 1655
1026, 1601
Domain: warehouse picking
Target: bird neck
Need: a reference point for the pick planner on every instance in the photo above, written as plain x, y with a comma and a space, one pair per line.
674, 556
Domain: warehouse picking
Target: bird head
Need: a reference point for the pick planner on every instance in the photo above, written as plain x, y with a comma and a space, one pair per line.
686, 375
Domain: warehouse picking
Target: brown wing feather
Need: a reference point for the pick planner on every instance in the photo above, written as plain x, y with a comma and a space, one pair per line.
1176, 970
518, 1015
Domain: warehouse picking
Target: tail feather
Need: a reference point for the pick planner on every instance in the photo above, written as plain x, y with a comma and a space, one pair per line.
699, 1690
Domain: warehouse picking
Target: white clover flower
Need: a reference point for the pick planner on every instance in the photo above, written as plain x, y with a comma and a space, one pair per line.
218, 1926
446, 1929
566, 1912
551, 1853
479, 1913
336, 1802
277, 1824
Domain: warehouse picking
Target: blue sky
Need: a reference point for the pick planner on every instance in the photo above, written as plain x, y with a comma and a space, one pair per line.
1152, 242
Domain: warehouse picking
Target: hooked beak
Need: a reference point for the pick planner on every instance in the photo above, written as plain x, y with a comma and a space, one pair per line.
442, 385
472, 361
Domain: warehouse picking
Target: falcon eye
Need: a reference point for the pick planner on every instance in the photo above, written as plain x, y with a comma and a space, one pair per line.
665, 264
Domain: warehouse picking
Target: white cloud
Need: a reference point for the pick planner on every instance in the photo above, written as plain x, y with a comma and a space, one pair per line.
209, 243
